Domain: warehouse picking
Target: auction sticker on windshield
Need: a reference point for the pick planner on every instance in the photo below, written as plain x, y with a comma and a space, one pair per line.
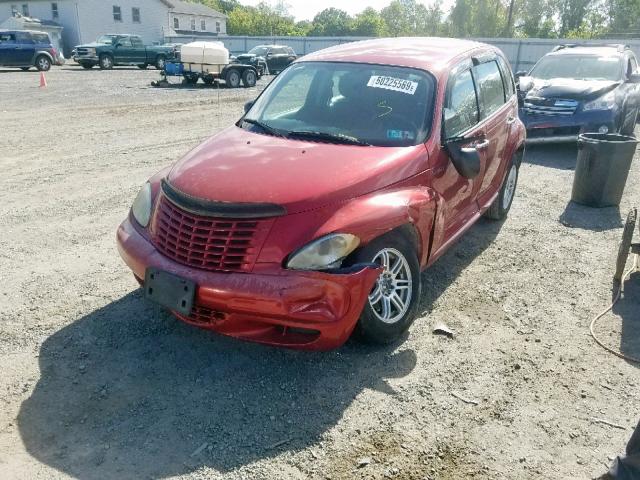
391, 83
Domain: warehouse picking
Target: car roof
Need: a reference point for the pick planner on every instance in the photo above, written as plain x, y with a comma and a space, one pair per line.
599, 50
430, 53
22, 31
269, 46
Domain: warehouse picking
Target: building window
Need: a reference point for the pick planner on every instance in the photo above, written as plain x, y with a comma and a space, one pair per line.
203, 25
25, 9
135, 15
193, 24
54, 11
117, 14
176, 23
218, 27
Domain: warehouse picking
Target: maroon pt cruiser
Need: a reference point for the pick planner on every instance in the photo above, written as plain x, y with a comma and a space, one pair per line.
314, 214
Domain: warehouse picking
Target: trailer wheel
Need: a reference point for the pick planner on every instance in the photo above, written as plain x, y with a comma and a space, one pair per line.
249, 78
208, 79
232, 78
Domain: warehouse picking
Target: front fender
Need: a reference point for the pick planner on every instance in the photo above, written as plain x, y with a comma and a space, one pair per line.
368, 217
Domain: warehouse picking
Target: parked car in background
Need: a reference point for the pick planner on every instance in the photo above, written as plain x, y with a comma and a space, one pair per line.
275, 58
577, 89
26, 49
113, 50
314, 214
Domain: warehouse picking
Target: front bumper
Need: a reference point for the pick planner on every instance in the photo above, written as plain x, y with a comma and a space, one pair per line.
566, 128
297, 309
85, 59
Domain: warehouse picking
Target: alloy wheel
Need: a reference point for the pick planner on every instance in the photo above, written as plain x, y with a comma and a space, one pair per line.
391, 296
509, 187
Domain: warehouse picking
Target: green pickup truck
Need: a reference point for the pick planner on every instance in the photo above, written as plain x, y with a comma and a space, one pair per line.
116, 49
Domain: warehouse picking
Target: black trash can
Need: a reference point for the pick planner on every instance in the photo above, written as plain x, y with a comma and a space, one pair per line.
602, 168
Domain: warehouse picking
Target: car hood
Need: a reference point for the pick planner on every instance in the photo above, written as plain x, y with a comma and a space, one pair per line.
92, 45
238, 166
570, 89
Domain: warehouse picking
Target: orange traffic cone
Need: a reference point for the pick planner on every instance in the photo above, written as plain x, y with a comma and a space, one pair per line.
43, 80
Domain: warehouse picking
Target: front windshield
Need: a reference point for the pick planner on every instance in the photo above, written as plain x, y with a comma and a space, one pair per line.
258, 51
106, 39
578, 67
346, 103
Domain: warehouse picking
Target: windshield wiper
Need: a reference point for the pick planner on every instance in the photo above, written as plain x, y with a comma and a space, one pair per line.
264, 126
330, 137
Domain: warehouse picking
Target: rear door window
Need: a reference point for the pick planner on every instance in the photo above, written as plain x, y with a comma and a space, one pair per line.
7, 38
461, 111
137, 42
490, 86
23, 37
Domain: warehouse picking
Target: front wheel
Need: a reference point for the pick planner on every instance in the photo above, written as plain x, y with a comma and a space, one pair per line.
106, 62
43, 63
501, 205
393, 302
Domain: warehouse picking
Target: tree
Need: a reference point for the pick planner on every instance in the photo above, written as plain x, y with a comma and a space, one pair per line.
331, 22
369, 23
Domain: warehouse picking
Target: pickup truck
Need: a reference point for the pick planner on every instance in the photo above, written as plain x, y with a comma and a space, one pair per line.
116, 49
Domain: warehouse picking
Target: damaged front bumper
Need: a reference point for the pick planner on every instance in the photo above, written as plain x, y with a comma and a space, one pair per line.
542, 129
297, 309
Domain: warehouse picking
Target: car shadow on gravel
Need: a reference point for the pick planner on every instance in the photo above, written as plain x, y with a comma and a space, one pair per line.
628, 308
437, 278
561, 156
127, 391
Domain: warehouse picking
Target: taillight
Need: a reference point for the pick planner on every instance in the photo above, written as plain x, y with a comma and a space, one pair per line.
54, 53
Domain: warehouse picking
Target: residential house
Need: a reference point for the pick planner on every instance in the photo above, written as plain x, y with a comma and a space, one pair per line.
156, 21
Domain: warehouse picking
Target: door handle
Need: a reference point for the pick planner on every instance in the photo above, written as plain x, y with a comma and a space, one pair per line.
510, 120
482, 145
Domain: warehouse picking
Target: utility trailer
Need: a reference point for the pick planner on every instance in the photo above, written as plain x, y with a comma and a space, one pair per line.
209, 61
233, 75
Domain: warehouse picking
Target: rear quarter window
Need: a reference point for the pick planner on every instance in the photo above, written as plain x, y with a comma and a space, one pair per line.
41, 38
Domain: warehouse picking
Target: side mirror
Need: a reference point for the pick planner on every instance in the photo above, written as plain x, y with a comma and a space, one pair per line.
465, 159
521, 73
248, 105
634, 78
525, 84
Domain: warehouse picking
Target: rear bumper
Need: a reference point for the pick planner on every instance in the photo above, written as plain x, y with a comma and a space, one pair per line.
305, 310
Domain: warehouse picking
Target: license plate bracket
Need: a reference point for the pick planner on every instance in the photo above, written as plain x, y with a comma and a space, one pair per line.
171, 291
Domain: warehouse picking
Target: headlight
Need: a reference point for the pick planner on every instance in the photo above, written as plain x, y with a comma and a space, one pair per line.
325, 252
141, 208
91, 51
605, 102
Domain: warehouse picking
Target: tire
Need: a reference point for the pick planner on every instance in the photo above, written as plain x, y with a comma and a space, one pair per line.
625, 244
105, 62
190, 80
208, 80
87, 66
249, 78
500, 207
159, 63
25, 69
232, 78
382, 320
143, 66
43, 63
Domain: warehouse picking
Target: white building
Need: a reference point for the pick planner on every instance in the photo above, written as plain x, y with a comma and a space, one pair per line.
153, 20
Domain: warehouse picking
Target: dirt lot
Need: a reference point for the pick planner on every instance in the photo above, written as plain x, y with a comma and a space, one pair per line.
96, 383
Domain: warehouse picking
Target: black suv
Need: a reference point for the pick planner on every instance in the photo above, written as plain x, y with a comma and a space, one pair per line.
576, 89
26, 49
268, 58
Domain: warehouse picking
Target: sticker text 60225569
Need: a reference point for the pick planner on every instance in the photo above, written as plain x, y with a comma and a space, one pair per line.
390, 83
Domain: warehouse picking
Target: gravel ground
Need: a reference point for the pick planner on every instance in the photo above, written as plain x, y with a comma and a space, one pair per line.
97, 384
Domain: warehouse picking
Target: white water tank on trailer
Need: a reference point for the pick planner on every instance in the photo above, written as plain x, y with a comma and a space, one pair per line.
204, 56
